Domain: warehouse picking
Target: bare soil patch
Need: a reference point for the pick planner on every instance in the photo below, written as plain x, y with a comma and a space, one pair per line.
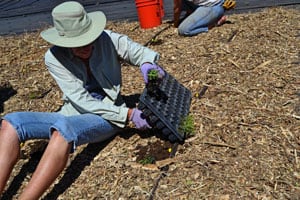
247, 141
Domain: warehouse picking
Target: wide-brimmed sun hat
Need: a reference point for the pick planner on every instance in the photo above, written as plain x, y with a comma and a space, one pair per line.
73, 26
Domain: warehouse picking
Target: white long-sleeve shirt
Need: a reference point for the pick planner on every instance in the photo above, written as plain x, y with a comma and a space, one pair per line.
70, 74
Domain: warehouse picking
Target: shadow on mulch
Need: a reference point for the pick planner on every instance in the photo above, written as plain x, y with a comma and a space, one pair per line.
152, 152
71, 174
26, 169
6, 91
77, 166
131, 100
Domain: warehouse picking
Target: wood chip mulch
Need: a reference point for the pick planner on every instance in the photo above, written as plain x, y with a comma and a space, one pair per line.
247, 140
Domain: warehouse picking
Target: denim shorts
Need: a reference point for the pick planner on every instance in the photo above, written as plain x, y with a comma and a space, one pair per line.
77, 129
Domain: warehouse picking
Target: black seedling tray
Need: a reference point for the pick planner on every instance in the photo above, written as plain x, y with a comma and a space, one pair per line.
165, 111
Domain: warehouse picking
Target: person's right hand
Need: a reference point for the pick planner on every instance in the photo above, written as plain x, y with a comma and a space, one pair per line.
146, 67
138, 120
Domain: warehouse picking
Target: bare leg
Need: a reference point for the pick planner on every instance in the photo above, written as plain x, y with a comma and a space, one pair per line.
9, 152
50, 166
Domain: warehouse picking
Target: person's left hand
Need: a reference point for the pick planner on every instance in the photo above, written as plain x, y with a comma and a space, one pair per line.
146, 67
139, 121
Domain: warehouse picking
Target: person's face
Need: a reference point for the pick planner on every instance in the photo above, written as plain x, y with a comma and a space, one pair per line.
83, 52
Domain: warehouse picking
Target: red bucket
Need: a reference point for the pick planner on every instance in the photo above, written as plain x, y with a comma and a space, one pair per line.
149, 13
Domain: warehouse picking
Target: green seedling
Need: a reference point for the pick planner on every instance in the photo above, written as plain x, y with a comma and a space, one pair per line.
186, 126
153, 84
33, 95
189, 182
152, 75
148, 159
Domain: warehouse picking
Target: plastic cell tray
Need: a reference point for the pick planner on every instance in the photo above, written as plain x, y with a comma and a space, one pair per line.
165, 113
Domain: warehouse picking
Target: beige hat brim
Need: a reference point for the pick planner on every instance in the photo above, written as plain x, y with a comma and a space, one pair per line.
97, 26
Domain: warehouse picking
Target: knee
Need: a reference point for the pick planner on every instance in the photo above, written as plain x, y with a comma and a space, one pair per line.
58, 139
8, 134
5, 126
185, 29
55, 134
182, 30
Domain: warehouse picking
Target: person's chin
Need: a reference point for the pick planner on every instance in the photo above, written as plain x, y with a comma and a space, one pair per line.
85, 56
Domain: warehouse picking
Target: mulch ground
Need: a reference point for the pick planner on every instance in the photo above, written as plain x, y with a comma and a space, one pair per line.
247, 139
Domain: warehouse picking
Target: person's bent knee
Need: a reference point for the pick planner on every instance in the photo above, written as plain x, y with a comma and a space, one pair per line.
9, 135
181, 31
57, 135
60, 140
184, 30
7, 127
4, 124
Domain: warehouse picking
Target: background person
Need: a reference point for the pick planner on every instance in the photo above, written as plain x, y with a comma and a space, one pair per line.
84, 63
200, 16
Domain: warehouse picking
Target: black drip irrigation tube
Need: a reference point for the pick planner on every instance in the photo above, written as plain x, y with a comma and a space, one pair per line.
164, 171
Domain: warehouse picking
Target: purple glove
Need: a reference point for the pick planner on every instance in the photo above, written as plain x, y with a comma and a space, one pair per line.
146, 67
137, 119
